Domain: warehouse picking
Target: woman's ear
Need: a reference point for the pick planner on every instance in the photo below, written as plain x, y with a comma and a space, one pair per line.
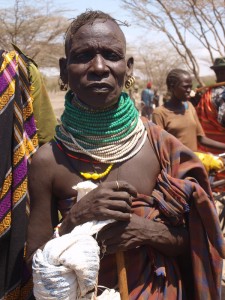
130, 65
129, 78
63, 76
63, 70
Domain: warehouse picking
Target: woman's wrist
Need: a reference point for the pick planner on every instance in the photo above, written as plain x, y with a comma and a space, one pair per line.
69, 222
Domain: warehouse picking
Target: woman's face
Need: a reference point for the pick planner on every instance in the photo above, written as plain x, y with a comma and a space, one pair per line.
181, 90
220, 74
96, 64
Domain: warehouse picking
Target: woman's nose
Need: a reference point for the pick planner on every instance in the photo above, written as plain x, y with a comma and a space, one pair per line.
189, 89
99, 65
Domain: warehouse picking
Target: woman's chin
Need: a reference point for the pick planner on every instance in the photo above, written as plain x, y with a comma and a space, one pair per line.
100, 100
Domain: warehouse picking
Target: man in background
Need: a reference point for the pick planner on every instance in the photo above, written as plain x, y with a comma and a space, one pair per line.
210, 107
147, 97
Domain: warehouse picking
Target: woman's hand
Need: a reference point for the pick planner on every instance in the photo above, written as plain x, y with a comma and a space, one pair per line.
110, 200
123, 235
138, 231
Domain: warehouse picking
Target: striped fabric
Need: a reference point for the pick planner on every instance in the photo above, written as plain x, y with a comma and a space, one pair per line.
18, 141
182, 196
207, 114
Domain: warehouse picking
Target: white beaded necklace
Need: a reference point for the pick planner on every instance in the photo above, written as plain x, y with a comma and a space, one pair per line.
114, 152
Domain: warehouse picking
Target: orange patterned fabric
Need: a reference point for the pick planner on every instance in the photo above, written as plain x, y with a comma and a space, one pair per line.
207, 114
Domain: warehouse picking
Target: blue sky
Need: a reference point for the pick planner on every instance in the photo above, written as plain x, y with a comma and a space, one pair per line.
74, 7
133, 33
113, 7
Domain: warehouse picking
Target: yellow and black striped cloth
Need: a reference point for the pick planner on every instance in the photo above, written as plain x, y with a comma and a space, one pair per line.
18, 141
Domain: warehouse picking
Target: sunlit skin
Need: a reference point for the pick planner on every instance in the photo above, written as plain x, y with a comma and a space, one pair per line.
181, 91
96, 68
96, 65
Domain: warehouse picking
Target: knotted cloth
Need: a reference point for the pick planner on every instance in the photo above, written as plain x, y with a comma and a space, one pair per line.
68, 266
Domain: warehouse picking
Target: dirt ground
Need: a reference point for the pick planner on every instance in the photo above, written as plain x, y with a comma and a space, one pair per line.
57, 100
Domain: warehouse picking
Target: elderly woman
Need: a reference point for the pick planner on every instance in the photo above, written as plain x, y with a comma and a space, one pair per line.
146, 183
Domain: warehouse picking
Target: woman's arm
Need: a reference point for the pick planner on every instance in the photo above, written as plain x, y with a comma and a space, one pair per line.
170, 241
205, 141
43, 216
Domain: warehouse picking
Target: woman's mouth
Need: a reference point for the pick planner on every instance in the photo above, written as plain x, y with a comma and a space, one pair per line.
100, 87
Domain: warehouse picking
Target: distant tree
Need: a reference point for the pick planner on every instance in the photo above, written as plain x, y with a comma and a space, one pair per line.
37, 30
152, 63
179, 20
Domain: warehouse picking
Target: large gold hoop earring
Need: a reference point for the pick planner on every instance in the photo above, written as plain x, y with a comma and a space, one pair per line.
63, 86
129, 82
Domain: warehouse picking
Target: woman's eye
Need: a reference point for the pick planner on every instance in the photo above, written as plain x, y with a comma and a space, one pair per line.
82, 57
111, 56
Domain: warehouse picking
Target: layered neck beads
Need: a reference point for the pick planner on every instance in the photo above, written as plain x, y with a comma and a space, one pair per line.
108, 136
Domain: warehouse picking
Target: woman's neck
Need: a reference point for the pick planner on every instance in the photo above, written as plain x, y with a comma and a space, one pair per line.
175, 104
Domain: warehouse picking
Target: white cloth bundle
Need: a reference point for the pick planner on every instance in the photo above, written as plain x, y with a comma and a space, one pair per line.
68, 266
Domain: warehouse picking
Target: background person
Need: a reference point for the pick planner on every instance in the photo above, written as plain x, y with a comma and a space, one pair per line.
211, 103
178, 116
44, 115
211, 110
141, 174
147, 97
156, 98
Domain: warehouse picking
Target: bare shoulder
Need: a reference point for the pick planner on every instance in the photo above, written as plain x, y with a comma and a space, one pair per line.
44, 156
42, 163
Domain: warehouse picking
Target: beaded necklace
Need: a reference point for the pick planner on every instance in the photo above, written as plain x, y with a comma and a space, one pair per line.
73, 156
95, 175
108, 135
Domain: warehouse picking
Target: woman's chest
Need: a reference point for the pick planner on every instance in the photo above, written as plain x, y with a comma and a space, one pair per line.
176, 123
141, 171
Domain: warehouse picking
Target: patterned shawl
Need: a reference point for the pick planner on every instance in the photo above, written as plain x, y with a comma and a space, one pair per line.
207, 114
182, 196
18, 141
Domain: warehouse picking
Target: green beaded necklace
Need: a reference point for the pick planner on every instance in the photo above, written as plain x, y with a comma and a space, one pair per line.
94, 128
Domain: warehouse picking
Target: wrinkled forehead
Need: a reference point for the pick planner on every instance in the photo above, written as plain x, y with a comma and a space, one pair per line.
184, 79
104, 32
